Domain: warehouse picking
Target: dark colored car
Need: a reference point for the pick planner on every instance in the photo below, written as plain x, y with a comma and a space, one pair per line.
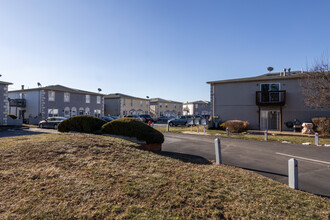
147, 118
183, 120
51, 122
163, 119
107, 118
134, 116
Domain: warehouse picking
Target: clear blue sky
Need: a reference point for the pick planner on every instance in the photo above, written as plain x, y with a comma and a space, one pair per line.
156, 48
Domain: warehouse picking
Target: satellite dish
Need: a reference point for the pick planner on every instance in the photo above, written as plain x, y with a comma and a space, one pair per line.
270, 69
38, 84
99, 89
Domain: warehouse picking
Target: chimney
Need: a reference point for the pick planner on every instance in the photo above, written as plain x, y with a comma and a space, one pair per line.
284, 70
22, 87
289, 71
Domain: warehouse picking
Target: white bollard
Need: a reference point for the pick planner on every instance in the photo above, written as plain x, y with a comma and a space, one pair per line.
197, 128
293, 173
191, 128
316, 138
152, 124
204, 129
227, 131
217, 144
168, 127
266, 135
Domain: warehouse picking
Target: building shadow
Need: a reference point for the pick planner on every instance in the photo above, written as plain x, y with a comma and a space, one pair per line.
187, 158
263, 172
14, 133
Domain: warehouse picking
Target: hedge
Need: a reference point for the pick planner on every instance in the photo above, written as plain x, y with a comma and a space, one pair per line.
12, 116
131, 127
81, 123
236, 126
322, 125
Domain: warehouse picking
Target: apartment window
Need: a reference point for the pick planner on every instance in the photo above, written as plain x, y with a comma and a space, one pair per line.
66, 97
147, 103
124, 101
73, 111
141, 103
98, 99
161, 114
146, 112
131, 102
52, 112
88, 99
166, 105
97, 113
174, 105
124, 112
160, 105
196, 105
81, 111
51, 95
87, 111
67, 112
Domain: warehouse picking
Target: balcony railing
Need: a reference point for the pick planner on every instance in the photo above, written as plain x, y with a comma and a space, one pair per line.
271, 98
17, 102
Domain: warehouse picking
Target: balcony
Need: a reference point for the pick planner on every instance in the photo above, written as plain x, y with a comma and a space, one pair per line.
271, 98
17, 102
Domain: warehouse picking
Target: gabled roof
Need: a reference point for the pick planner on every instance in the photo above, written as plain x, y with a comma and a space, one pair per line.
162, 100
5, 83
199, 102
264, 77
60, 88
119, 95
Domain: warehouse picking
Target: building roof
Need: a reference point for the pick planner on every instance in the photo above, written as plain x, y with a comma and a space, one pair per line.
5, 83
60, 88
263, 77
199, 102
162, 100
119, 95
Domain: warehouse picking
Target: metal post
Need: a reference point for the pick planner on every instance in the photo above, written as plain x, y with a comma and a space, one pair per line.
293, 173
316, 138
197, 128
168, 127
152, 124
217, 144
204, 128
191, 127
266, 135
227, 131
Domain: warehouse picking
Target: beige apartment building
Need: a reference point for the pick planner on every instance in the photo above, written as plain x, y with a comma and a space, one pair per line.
118, 104
162, 107
267, 101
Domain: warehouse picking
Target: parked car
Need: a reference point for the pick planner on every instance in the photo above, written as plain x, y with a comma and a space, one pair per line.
134, 116
147, 118
107, 118
163, 119
51, 122
183, 120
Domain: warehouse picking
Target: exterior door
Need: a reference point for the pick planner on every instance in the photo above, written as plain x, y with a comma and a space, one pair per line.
269, 120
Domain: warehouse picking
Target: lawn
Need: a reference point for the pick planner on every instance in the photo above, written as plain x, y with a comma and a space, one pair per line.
77, 176
259, 137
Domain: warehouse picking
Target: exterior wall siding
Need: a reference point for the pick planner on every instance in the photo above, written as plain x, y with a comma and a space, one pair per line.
173, 109
112, 106
4, 107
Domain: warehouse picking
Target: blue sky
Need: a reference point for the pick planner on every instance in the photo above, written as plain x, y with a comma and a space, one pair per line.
156, 48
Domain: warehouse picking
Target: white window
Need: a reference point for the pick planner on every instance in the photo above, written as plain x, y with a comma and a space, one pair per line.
51, 95
52, 112
174, 105
88, 99
97, 113
124, 112
67, 112
124, 101
166, 105
141, 103
87, 111
160, 105
66, 97
147, 103
131, 102
73, 111
81, 111
196, 105
98, 99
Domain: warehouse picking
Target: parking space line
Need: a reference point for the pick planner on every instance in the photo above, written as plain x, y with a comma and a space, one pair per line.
304, 158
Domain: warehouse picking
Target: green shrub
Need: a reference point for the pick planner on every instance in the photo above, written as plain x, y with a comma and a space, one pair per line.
81, 123
322, 125
12, 116
130, 127
236, 126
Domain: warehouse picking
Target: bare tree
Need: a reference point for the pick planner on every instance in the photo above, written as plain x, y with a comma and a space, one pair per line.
315, 85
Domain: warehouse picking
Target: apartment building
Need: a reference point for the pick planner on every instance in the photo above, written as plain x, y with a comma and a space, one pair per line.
4, 102
199, 107
162, 107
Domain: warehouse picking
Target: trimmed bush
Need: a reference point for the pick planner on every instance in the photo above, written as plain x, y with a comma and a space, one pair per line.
322, 125
12, 116
236, 126
131, 127
81, 123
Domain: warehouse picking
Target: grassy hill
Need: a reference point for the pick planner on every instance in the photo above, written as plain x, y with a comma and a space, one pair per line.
68, 176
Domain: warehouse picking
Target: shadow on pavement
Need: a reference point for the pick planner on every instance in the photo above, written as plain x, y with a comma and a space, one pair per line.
13, 133
263, 172
187, 158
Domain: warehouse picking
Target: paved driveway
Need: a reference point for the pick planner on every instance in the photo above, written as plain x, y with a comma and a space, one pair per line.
266, 158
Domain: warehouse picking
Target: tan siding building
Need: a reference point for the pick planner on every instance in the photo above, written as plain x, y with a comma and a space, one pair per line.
162, 107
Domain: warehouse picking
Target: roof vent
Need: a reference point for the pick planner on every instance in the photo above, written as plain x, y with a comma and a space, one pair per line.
289, 71
22, 87
284, 70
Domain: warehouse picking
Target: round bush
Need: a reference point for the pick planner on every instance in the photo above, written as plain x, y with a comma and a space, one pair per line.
81, 123
131, 127
236, 126
12, 116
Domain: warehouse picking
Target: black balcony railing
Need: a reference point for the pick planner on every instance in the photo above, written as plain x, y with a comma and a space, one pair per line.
271, 98
17, 102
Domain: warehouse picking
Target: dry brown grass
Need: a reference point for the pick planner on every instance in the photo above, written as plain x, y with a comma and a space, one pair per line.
74, 176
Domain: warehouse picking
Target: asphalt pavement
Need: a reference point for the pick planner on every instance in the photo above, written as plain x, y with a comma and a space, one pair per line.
269, 159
